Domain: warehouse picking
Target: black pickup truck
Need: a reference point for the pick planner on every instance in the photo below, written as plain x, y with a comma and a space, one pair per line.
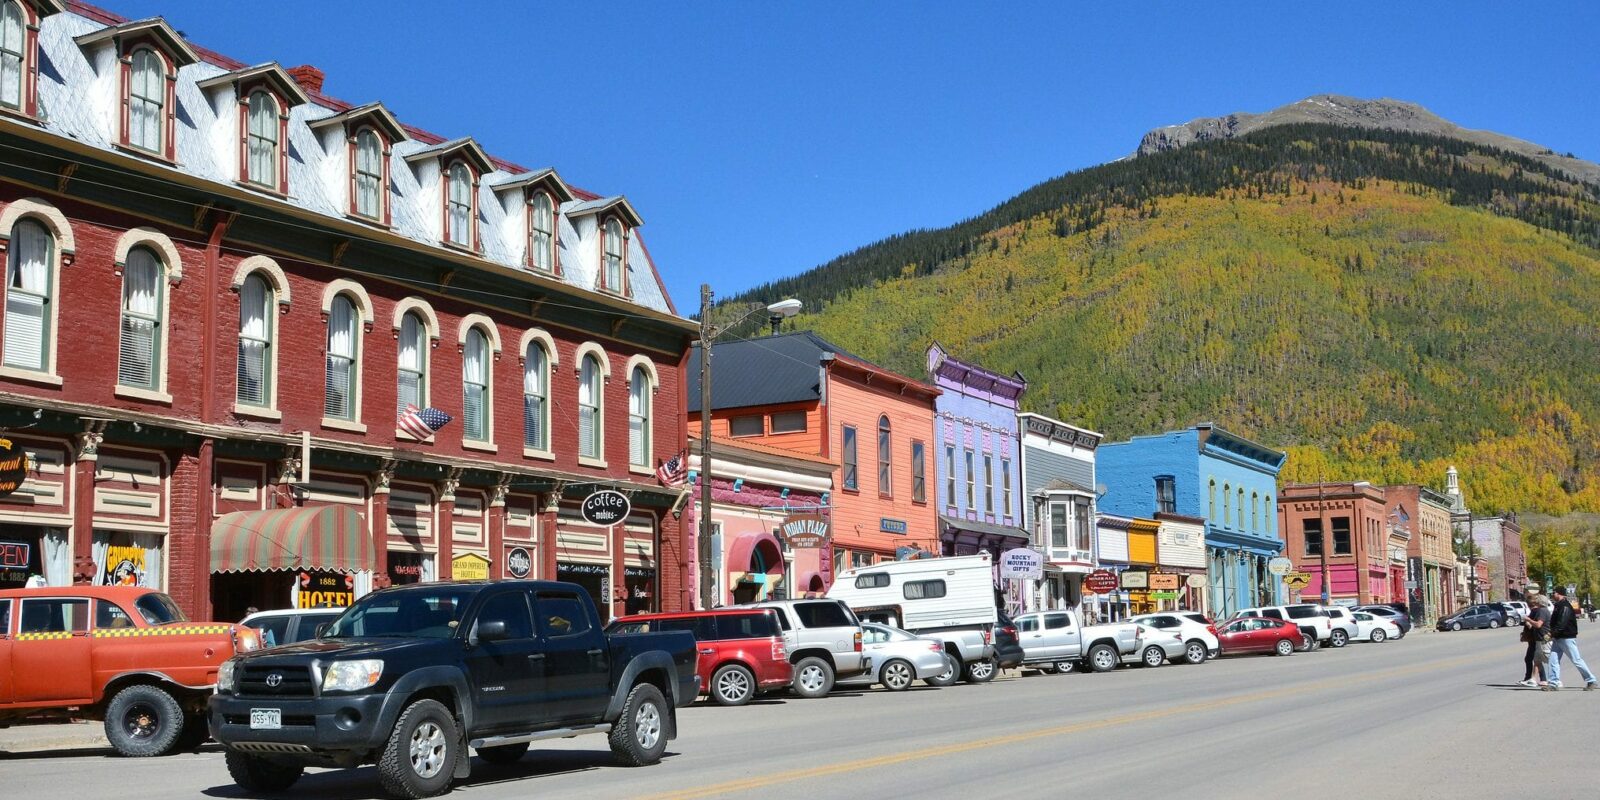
410, 677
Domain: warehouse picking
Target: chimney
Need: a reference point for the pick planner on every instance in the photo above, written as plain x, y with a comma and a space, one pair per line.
309, 77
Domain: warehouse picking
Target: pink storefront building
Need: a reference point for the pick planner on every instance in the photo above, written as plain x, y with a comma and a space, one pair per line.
1351, 521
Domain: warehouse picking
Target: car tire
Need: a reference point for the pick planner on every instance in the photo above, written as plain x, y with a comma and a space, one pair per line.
733, 685
504, 754
1102, 658
813, 677
1378, 636
419, 759
1307, 643
1152, 657
1195, 652
1284, 647
1338, 638
981, 670
1455, 626
639, 737
897, 675
1064, 667
144, 721
1494, 623
949, 676
256, 774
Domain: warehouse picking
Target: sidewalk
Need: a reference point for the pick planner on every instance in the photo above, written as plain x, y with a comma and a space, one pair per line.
60, 736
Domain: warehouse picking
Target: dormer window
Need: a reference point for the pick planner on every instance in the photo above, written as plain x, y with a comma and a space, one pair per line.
605, 224
366, 134
542, 233
147, 101
262, 145
371, 175
461, 205
615, 259
537, 196
147, 55
455, 167
264, 94
19, 53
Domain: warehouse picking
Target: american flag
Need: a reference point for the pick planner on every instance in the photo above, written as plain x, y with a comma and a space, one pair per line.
673, 471
422, 424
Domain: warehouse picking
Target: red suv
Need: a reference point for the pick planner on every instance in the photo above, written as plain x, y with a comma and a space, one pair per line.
741, 650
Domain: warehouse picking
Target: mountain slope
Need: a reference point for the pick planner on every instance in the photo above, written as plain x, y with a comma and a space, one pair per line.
1380, 302
1382, 114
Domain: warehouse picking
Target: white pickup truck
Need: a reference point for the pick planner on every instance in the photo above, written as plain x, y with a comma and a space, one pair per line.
1058, 641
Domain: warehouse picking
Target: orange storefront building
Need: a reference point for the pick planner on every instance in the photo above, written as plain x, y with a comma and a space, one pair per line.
798, 392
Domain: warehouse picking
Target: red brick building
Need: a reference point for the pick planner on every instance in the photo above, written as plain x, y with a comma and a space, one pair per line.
225, 286
1351, 521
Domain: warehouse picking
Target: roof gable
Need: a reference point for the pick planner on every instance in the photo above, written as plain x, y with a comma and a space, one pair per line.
373, 114
465, 148
155, 28
270, 73
617, 203
546, 179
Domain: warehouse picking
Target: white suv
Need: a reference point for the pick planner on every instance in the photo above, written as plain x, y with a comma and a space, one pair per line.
1344, 627
1309, 617
1199, 638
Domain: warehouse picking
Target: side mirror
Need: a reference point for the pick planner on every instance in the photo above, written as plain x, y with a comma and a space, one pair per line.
492, 630
322, 629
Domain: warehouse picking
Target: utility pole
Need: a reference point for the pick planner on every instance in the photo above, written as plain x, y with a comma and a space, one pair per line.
703, 544
1327, 538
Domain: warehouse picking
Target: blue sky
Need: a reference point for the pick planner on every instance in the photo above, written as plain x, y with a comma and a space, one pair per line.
760, 139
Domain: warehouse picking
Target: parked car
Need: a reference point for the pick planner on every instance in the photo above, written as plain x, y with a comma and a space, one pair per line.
1516, 611
1260, 635
823, 637
1058, 641
1481, 615
1007, 648
1373, 627
1401, 619
122, 654
1199, 638
1313, 621
1342, 626
411, 676
899, 658
741, 653
290, 625
950, 598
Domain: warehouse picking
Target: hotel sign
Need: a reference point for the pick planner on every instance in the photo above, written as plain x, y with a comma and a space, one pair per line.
1063, 433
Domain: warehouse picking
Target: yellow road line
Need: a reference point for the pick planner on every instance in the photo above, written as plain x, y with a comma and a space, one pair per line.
924, 753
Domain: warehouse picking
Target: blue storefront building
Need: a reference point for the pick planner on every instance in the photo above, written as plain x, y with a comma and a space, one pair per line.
1225, 479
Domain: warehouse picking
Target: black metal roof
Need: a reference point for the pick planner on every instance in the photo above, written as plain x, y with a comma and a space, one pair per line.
786, 368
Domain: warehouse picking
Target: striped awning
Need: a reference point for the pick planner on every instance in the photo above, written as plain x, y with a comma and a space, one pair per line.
322, 537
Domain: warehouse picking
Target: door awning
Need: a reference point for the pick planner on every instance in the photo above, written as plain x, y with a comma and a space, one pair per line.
322, 537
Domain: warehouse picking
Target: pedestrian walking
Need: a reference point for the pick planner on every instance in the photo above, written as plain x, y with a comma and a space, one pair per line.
1534, 633
1564, 642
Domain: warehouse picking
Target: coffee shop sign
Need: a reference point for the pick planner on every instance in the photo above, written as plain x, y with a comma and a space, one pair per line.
1065, 434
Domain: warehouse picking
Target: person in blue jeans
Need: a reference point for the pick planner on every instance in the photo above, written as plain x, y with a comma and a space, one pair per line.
1564, 642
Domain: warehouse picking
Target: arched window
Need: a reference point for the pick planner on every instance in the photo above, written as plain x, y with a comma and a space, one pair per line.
458, 210
369, 174
412, 375
476, 401
261, 140
613, 256
13, 54
1227, 504
885, 477
139, 357
589, 408
147, 100
340, 400
1255, 512
542, 233
639, 418
255, 342
28, 310
1238, 510
1211, 501
536, 398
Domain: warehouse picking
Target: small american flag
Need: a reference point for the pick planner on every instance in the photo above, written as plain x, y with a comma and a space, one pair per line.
673, 471
422, 424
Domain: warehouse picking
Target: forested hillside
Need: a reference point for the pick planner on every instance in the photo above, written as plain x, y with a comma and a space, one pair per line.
1382, 304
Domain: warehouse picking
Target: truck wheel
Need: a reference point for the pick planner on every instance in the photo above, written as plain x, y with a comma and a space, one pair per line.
813, 677
949, 676
897, 675
981, 670
640, 736
420, 756
1102, 658
1064, 667
143, 721
503, 754
1194, 652
1339, 638
732, 685
256, 774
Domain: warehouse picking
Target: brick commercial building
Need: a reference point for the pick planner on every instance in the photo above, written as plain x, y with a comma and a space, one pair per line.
1348, 523
224, 289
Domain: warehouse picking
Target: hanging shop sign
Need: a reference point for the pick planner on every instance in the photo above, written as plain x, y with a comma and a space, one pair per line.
1195, 581
469, 567
13, 466
324, 590
1280, 566
1135, 579
804, 531
519, 562
606, 507
1101, 581
1022, 563
1165, 582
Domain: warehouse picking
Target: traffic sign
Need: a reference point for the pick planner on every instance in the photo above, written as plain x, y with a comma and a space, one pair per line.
1297, 580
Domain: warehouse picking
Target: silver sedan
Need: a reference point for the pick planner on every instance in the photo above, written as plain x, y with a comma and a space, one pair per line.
899, 658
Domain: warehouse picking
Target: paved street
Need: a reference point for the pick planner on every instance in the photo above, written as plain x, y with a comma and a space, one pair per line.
1435, 715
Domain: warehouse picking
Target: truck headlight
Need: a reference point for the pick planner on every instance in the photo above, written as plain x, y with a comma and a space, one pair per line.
227, 683
351, 676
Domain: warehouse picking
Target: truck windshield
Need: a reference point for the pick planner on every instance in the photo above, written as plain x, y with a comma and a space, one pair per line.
158, 609
421, 613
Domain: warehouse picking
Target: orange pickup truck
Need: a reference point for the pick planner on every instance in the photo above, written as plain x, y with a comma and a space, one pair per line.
125, 655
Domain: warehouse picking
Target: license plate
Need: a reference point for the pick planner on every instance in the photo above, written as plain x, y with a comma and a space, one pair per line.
266, 719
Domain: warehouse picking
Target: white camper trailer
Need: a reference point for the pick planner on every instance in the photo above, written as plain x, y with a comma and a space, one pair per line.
949, 598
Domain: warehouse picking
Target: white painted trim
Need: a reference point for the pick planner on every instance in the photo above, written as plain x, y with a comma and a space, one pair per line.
47, 214
30, 376
155, 240
473, 444
257, 412
275, 276
343, 285
136, 393
343, 425
430, 320
588, 348
649, 368
538, 335
476, 320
